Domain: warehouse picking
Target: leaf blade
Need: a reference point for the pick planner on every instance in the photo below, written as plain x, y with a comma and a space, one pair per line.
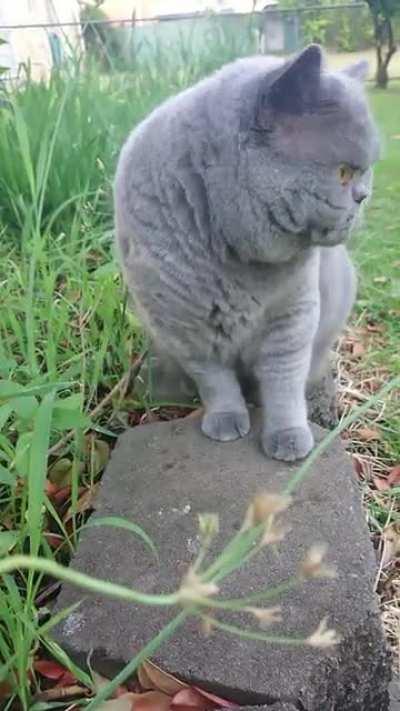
38, 469
122, 523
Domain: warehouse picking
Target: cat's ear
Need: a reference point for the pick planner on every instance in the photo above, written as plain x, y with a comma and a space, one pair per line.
296, 89
359, 70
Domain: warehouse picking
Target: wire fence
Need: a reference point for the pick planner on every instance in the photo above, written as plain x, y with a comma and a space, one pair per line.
190, 15
124, 44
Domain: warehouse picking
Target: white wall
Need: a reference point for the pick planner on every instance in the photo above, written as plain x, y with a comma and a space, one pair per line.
31, 45
122, 9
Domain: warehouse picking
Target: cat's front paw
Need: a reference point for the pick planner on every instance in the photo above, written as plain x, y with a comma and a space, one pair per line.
288, 445
226, 426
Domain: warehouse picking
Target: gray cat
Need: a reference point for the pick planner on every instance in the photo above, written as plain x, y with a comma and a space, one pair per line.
233, 201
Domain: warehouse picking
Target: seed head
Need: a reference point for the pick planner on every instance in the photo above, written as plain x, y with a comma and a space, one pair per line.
208, 526
313, 565
194, 590
274, 533
206, 626
264, 506
323, 637
266, 615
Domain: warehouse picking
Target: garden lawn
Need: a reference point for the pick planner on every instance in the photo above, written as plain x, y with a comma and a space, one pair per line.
370, 356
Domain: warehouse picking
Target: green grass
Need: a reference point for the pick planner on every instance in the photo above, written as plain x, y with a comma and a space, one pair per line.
377, 254
66, 335
377, 250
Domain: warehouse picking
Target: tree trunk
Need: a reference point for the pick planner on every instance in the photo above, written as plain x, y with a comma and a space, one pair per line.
383, 36
382, 75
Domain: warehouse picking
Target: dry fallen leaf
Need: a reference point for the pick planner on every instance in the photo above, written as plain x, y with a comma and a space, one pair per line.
190, 698
50, 488
391, 543
150, 676
61, 472
368, 434
161, 692
220, 703
181, 695
122, 703
98, 454
394, 476
358, 349
84, 503
390, 481
199, 700
195, 414
99, 682
358, 466
54, 671
5, 690
381, 483
151, 701
372, 385
54, 540
376, 327
61, 495
58, 693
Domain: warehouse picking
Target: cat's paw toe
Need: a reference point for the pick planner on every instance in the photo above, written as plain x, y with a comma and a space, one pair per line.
226, 426
288, 445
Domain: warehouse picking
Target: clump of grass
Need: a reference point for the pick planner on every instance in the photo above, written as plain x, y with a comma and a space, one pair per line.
89, 114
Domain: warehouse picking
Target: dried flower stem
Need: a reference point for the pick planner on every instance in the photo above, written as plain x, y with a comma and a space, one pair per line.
255, 598
253, 634
121, 385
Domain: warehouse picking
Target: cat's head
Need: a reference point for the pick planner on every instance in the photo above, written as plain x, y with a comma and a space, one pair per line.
313, 129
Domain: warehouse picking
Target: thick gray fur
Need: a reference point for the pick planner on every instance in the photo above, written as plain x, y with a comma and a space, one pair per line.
231, 220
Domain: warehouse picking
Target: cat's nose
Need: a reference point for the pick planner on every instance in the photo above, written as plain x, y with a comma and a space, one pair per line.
359, 195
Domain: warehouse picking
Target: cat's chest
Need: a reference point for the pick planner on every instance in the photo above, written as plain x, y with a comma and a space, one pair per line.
246, 296
254, 289
251, 295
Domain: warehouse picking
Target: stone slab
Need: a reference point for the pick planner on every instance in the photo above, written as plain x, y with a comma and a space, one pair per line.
161, 476
275, 707
394, 706
394, 690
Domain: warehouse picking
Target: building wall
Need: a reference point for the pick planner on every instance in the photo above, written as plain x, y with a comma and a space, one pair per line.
123, 9
33, 45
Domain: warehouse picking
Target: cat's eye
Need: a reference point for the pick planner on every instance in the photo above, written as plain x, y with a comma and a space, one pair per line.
346, 173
